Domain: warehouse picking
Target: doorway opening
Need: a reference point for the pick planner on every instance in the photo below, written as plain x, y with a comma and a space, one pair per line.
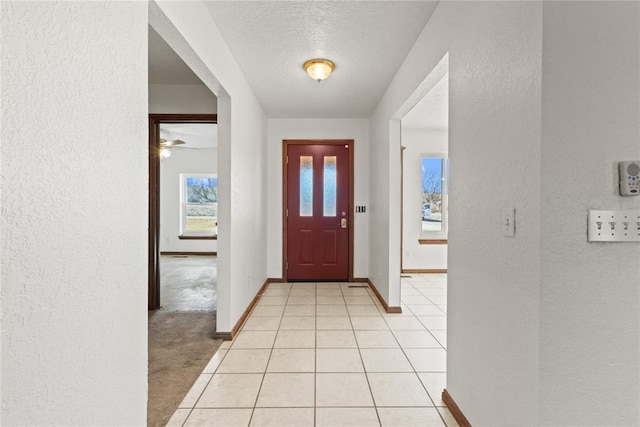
318, 188
424, 145
188, 216
424, 185
189, 208
182, 319
182, 282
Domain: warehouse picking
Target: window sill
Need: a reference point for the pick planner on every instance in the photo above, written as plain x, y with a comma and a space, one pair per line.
432, 241
213, 237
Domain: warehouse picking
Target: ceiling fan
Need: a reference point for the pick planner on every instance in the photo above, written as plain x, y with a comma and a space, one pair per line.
171, 143
166, 145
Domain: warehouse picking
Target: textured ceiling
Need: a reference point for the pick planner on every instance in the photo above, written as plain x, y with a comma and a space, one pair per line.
165, 66
432, 111
367, 40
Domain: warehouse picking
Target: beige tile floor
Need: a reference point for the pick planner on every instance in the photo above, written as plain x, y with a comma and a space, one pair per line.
327, 354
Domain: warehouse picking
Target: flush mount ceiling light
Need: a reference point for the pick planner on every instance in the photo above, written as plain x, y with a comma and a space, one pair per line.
319, 69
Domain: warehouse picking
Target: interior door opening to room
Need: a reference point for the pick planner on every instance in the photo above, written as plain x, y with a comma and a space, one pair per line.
424, 169
318, 210
155, 147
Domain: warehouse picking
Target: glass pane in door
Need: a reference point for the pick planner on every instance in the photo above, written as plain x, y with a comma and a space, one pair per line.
306, 186
330, 186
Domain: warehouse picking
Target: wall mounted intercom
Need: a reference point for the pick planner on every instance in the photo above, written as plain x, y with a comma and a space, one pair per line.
629, 178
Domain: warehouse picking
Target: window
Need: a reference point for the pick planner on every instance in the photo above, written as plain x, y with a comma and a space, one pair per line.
306, 186
330, 186
435, 176
199, 206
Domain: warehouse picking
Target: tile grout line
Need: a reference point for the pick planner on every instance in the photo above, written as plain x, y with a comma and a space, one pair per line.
421, 382
315, 362
425, 326
373, 399
411, 364
264, 374
205, 387
441, 411
420, 379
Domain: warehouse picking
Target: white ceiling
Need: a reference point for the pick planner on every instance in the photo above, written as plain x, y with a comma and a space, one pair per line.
432, 111
195, 135
165, 66
367, 40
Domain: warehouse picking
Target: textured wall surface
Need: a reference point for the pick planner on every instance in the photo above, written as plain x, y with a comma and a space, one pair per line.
542, 327
74, 213
181, 161
415, 255
494, 123
356, 129
386, 278
191, 32
494, 149
590, 294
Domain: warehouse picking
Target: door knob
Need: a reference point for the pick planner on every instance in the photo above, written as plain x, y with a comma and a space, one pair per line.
343, 223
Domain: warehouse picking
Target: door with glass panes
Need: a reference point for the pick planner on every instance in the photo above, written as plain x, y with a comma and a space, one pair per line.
318, 193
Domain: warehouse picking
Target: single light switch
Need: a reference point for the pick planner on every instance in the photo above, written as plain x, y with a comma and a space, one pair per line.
508, 220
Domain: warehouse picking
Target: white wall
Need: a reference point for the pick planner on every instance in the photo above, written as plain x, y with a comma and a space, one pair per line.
417, 143
181, 162
242, 267
281, 129
181, 99
74, 213
494, 124
542, 327
590, 293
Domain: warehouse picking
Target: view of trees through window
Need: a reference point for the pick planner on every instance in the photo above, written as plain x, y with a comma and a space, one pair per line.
200, 204
433, 194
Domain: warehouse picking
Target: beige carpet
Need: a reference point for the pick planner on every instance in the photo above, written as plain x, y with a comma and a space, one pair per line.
180, 346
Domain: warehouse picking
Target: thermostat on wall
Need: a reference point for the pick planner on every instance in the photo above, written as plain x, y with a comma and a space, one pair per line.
630, 178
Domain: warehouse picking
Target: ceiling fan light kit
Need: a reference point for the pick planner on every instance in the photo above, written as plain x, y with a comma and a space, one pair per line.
165, 153
319, 69
167, 145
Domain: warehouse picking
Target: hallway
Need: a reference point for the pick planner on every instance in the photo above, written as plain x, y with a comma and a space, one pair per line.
326, 354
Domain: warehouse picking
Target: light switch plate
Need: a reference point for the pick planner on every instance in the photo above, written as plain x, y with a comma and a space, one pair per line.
613, 225
508, 220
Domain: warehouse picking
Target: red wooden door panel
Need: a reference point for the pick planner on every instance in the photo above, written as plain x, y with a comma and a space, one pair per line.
318, 211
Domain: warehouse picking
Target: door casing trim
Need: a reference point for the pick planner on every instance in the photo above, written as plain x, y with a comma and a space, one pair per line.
285, 146
153, 260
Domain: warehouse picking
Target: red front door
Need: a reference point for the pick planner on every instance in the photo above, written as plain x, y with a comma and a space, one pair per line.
318, 214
